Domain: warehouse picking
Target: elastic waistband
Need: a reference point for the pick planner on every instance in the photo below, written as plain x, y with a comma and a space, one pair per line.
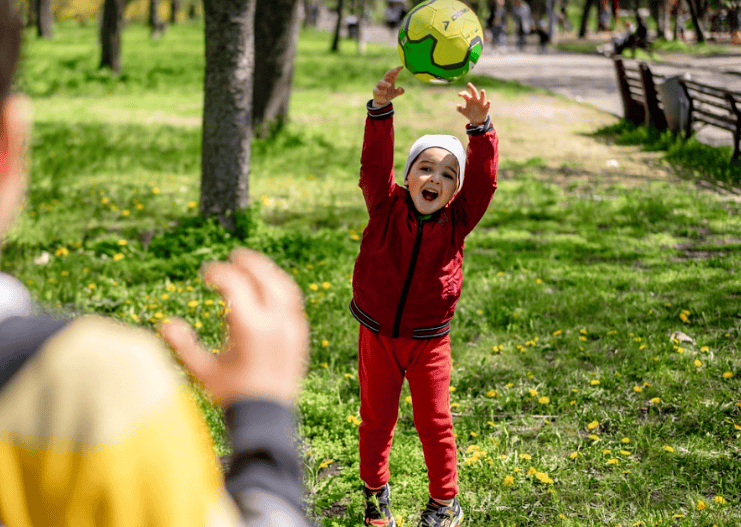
417, 333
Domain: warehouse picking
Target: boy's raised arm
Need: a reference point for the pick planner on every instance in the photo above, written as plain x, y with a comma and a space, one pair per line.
481, 160
377, 158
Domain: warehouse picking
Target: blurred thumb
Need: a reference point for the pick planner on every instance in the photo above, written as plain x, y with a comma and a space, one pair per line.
181, 337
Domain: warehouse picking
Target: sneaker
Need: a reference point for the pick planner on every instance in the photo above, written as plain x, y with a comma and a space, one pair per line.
436, 515
377, 510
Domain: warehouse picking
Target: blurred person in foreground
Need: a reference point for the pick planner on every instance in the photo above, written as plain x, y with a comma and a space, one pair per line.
97, 425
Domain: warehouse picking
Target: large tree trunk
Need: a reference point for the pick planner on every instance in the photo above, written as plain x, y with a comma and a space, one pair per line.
227, 119
696, 15
338, 26
44, 19
276, 34
110, 34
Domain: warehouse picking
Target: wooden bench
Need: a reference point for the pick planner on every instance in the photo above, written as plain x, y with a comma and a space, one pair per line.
641, 102
718, 107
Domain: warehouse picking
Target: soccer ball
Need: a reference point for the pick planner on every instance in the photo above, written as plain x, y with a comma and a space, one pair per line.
440, 40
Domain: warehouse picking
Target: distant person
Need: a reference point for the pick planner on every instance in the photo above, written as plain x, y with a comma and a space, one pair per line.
98, 427
632, 38
395, 12
563, 20
544, 38
497, 24
523, 22
406, 283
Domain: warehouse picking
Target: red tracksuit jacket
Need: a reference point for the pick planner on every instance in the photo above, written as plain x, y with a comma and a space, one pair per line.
408, 275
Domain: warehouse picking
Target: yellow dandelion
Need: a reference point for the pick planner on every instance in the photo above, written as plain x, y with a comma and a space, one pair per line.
64, 273
613, 461
91, 286
531, 471
656, 400
562, 515
324, 365
697, 363
543, 478
455, 405
606, 451
574, 455
354, 420
349, 376
139, 206
525, 456
408, 399
325, 343
314, 287
490, 423
474, 434
594, 382
637, 389
508, 480
557, 332
544, 400
159, 315
594, 437
532, 392
705, 349
625, 452
193, 303
155, 190
118, 257
326, 285
625, 440
491, 393
325, 463
399, 520
582, 338
720, 499
668, 448
123, 243
593, 425
727, 375
701, 505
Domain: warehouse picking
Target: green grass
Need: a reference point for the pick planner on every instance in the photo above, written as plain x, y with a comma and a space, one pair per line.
577, 400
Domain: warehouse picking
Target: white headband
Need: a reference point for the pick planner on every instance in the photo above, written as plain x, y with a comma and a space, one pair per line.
447, 142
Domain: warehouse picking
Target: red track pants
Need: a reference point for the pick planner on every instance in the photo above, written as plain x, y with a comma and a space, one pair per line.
383, 362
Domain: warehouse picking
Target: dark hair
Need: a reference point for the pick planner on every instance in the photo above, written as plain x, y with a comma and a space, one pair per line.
10, 44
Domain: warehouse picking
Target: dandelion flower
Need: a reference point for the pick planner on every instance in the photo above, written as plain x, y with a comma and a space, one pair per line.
455, 405
668, 448
606, 451
491, 393
525, 456
313, 287
532, 392
508, 480
325, 463
193, 303
720, 499
399, 520
123, 243
452, 388
543, 478
557, 332
594, 437
531, 471
408, 399
625, 440
544, 400
354, 420
637, 389
656, 400
727, 375
593, 425
594, 382
574, 455
325, 343
326, 285
697, 363
118, 257
613, 461
91, 286
704, 349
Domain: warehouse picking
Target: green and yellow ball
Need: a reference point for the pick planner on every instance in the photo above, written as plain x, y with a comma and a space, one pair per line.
440, 40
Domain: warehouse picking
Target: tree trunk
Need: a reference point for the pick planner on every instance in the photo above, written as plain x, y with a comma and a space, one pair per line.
227, 119
276, 34
338, 26
695, 14
156, 25
44, 19
585, 15
110, 34
174, 8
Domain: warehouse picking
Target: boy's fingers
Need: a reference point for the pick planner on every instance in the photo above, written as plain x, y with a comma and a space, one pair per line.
277, 289
392, 74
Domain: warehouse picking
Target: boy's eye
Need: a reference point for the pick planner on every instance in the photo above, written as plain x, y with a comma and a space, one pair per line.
449, 176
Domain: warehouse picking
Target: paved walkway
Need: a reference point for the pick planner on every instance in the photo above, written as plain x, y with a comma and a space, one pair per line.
588, 78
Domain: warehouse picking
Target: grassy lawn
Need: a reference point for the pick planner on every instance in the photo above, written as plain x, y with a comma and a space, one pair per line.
596, 343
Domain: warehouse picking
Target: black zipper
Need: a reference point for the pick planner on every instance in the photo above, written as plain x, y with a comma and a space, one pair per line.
408, 281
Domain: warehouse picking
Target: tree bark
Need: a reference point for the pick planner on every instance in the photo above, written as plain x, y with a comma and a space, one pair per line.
227, 119
584, 17
174, 8
696, 14
156, 25
44, 19
338, 26
276, 34
110, 34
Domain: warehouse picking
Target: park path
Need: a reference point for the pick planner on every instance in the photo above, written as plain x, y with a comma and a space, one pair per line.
586, 78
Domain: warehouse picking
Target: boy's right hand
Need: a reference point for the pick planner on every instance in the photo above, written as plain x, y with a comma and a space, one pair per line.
386, 90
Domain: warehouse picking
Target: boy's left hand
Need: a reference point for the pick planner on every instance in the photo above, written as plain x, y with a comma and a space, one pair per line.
477, 105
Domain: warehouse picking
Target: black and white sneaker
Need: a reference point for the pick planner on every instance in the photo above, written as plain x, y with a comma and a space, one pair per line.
436, 515
377, 512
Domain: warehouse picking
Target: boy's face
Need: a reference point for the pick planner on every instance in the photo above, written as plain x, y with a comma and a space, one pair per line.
432, 179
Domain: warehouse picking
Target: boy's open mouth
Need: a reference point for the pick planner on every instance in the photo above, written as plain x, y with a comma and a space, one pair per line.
429, 195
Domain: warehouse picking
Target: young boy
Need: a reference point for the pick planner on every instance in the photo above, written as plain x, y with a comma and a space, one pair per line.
406, 283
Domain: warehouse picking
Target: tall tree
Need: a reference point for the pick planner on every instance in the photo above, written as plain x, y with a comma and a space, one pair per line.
174, 8
110, 34
227, 119
156, 25
44, 19
338, 26
585, 16
276, 34
697, 11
